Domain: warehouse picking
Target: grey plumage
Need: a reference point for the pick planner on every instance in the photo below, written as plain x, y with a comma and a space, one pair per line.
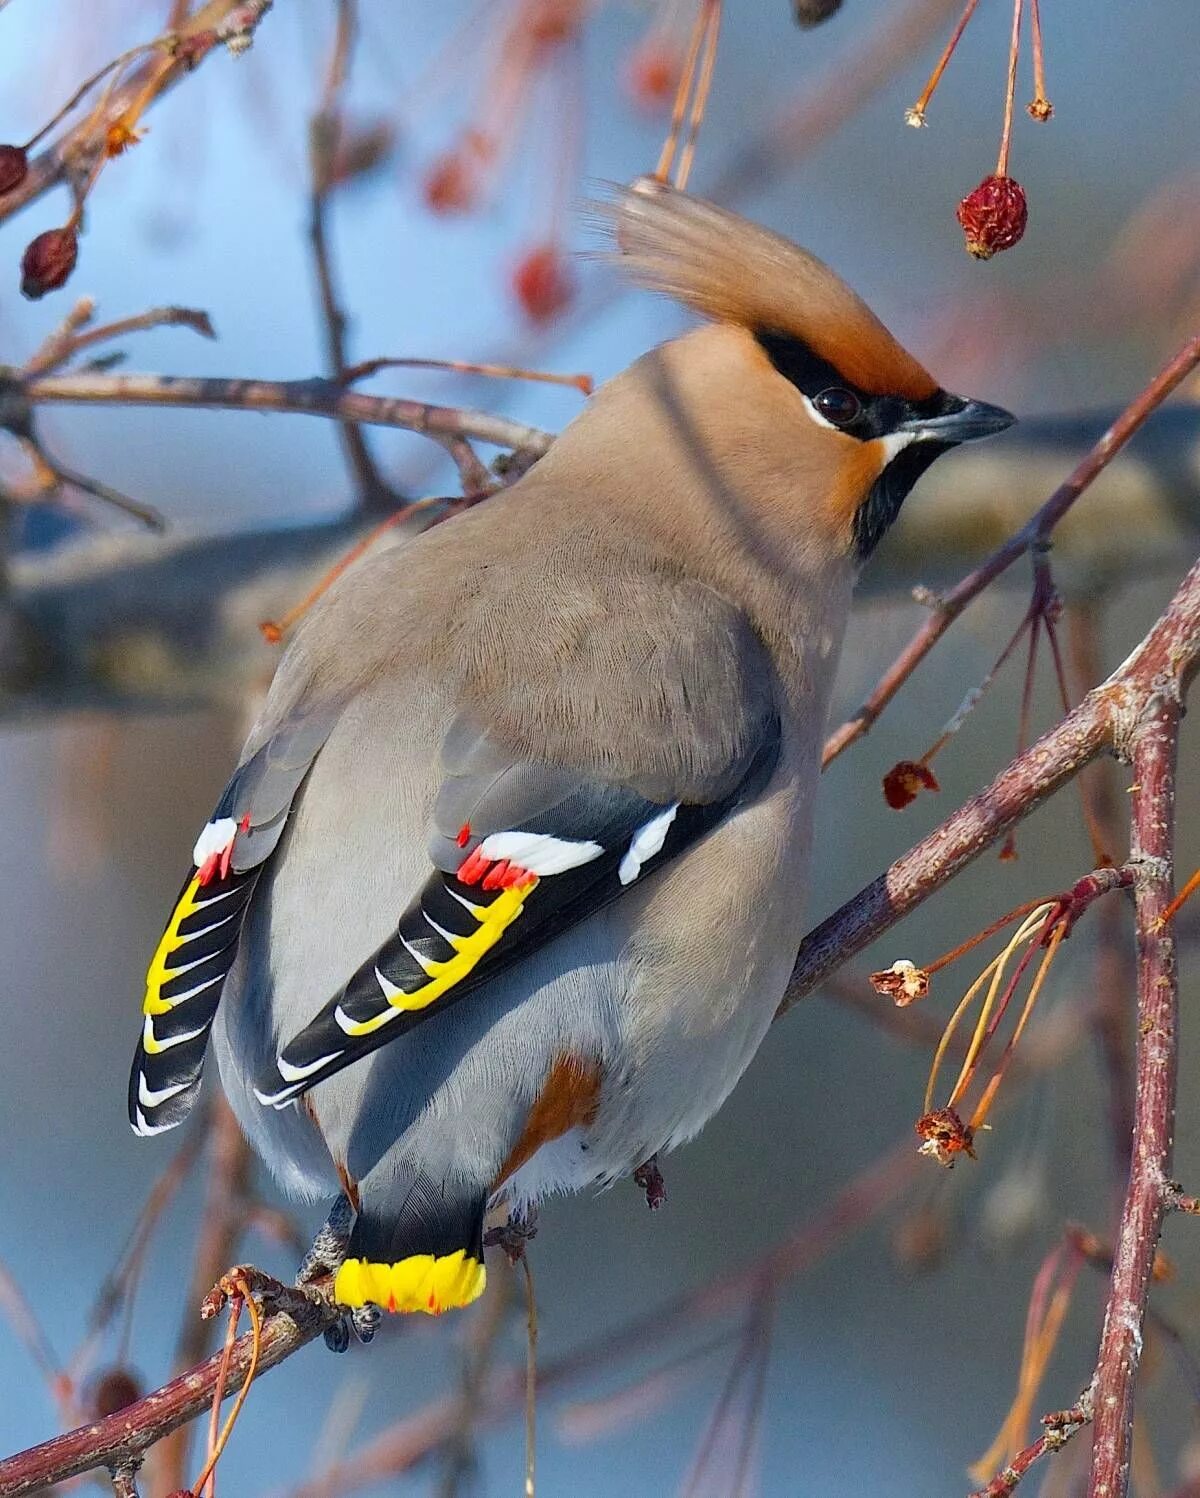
619, 670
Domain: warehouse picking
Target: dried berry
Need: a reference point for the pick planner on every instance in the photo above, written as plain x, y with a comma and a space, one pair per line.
114, 1390
48, 261
945, 1136
813, 12
542, 284
14, 163
994, 216
903, 783
120, 135
903, 982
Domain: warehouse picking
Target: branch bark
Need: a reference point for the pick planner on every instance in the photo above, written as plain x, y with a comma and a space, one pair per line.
1154, 750
1170, 653
121, 1439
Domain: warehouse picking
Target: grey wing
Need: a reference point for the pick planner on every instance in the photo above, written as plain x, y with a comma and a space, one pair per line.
523, 846
188, 970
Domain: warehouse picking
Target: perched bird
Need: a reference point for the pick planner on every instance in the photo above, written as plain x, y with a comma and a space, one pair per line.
508, 884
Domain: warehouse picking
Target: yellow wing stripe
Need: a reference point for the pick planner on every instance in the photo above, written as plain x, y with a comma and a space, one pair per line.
494, 920
422, 1282
158, 972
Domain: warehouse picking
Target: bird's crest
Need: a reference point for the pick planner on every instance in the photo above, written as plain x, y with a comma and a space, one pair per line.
729, 269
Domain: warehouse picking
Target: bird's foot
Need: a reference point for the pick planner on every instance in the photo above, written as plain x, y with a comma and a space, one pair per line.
329, 1246
650, 1179
513, 1235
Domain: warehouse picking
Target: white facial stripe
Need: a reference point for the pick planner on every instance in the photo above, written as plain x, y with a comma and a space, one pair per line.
645, 843
215, 838
538, 852
896, 442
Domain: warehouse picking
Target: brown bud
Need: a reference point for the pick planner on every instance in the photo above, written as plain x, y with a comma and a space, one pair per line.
813, 12
48, 261
1040, 109
113, 1390
903, 982
14, 163
945, 1136
993, 217
361, 150
904, 781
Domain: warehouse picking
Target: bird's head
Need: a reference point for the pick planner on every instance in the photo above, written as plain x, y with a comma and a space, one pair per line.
858, 410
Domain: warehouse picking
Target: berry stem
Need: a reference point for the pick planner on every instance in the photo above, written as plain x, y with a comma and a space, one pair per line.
1040, 107
916, 115
1014, 48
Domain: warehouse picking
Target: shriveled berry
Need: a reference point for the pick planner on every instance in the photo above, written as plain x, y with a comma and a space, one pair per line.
48, 261
813, 12
904, 782
542, 284
14, 164
994, 216
114, 1390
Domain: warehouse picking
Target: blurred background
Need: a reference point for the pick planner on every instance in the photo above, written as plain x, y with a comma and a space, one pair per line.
893, 1358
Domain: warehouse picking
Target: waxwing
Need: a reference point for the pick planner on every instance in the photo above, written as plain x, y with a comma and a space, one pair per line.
508, 884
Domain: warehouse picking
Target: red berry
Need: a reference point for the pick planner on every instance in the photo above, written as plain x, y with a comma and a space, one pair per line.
48, 261
994, 216
542, 284
451, 184
14, 163
652, 73
904, 782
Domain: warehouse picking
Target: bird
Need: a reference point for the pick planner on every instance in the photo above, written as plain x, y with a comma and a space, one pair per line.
506, 888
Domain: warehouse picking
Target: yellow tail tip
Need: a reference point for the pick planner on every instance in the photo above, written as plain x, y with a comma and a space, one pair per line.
422, 1282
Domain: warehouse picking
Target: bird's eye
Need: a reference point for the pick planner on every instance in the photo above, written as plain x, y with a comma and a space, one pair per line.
838, 406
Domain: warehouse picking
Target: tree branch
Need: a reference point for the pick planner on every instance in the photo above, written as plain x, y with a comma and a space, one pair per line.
1104, 718
1035, 533
76, 149
1154, 750
313, 397
291, 1319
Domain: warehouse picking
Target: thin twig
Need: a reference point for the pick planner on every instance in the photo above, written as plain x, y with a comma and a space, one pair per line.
325, 130
314, 397
1034, 532
84, 143
1058, 756
291, 1319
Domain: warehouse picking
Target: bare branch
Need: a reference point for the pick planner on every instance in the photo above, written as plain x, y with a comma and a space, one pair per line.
314, 397
1033, 534
1155, 741
1102, 718
291, 1319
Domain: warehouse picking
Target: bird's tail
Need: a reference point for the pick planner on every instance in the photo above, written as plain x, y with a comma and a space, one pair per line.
425, 1256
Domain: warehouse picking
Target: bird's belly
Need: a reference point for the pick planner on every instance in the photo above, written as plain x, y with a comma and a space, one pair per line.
697, 987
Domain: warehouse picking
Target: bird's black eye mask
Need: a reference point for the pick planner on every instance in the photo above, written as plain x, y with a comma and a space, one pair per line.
857, 413
839, 402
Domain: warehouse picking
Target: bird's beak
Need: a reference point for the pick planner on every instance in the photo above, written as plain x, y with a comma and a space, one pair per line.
960, 421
